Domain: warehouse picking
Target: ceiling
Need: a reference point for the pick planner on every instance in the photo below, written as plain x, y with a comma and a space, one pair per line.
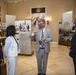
15, 1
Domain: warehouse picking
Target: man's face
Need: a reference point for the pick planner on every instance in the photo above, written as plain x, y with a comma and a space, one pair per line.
41, 23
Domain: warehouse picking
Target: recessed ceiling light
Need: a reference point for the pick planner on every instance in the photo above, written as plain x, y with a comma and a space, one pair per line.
15, 1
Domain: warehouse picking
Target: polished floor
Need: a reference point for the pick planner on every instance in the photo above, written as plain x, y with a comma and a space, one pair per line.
59, 62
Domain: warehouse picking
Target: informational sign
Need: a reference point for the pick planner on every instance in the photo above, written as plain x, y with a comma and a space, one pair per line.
10, 20
23, 25
67, 20
65, 28
25, 43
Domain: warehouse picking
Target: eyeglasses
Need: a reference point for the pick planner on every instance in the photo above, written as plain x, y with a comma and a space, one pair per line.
41, 22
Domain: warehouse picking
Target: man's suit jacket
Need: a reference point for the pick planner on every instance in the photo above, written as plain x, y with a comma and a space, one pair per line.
73, 41
73, 46
47, 36
1, 54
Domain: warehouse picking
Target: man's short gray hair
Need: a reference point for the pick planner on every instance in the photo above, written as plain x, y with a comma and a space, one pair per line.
42, 20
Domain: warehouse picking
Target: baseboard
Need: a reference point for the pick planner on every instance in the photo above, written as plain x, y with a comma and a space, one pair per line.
54, 43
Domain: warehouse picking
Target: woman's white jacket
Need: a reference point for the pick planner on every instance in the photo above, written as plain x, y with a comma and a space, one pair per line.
11, 48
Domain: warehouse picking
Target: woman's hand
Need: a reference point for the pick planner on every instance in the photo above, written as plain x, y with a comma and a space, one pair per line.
2, 62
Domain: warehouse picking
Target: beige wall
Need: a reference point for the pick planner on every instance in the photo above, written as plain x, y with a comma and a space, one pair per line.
75, 9
55, 8
3, 10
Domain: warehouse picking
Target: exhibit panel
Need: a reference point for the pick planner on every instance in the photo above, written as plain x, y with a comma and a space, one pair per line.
37, 13
65, 28
23, 25
10, 19
25, 43
23, 31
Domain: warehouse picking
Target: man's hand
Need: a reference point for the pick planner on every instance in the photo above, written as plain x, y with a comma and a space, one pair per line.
43, 39
35, 33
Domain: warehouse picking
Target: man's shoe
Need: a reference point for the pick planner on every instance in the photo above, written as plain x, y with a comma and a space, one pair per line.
39, 73
43, 74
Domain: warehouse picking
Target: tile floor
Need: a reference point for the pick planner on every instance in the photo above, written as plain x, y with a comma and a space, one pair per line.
59, 62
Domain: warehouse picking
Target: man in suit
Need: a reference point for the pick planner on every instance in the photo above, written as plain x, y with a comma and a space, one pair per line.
1, 55
43, 39
73, 50
1, 58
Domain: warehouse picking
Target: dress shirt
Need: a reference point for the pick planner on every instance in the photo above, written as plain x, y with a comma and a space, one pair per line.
41, 32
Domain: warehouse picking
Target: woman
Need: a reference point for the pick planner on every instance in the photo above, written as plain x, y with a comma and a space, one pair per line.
11, 49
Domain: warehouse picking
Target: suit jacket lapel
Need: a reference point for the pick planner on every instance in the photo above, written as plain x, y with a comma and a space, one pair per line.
45, 33
38, 35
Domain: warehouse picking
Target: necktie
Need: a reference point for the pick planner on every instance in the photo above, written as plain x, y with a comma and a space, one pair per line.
41, 43
42, 34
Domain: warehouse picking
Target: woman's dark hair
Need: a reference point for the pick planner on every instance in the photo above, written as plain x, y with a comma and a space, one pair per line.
10, 31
